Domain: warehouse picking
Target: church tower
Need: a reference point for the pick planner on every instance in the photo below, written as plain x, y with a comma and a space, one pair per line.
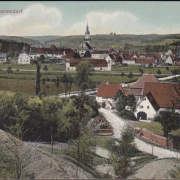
87, 35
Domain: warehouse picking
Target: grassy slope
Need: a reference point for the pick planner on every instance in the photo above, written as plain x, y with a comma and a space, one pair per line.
19, 39
118, 41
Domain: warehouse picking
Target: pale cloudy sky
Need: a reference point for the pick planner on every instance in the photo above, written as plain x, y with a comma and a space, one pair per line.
70, 17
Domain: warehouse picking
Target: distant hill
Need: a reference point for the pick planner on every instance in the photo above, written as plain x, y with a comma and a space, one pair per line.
42, 39
20, 39
136, 42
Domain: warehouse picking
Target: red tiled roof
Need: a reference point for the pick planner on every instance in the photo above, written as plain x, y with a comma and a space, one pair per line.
94, 62
145, 60
165, 94
135, 92
144, 78
108, 90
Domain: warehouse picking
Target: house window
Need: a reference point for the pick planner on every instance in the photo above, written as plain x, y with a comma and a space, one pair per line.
147, 107
144, 99
141, 107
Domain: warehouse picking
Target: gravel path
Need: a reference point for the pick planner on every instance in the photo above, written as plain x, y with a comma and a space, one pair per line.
119, 125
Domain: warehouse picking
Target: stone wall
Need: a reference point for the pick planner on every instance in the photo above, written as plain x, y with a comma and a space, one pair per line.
154, 138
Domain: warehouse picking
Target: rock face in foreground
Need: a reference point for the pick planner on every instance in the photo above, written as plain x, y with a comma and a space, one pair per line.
158, 169
38, 164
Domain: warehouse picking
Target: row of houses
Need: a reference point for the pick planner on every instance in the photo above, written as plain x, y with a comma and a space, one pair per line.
152, 96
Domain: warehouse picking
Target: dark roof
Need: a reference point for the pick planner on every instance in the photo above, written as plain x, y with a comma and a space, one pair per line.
94, 62
108, 90
165, 94
145, 60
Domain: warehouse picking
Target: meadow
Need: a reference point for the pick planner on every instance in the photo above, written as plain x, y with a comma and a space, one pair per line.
23, 77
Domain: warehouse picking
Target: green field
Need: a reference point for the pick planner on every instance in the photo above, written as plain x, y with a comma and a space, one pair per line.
24, 81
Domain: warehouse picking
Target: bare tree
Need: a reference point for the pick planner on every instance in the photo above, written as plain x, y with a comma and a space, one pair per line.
16, 153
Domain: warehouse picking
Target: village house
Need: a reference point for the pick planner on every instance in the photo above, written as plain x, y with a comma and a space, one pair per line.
145, 61
3, 57
129, 61
24, 58
106, 93
100, 54
96, 64
157, 97
137, 87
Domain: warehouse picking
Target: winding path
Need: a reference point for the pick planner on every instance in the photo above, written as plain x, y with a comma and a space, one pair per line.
119, 125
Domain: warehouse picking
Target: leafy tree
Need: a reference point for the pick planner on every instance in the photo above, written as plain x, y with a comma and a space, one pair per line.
13, 111
35, 121
121, 153
122, 74
82, 75
150, 65
141, 71
44, 85
65, 81
52, 116
175, 72
123, 102
131, 102
38, 73
45, 68
169, 120
9, 70
70, 82
130, 76
159, 71
57, 83
91, 101
82, 149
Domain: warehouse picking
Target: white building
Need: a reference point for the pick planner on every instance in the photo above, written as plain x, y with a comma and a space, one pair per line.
157, 97
96, 64
24, 58
169, 60
169, 52
3, 57
99, 54
128, 61
106, 92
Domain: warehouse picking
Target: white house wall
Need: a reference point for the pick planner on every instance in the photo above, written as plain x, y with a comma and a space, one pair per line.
23, 59
102, 99
128, 62
143, 107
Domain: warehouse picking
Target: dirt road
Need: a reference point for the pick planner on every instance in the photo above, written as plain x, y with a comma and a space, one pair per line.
120, 124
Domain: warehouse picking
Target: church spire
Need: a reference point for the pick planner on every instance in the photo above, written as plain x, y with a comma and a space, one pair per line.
87, 34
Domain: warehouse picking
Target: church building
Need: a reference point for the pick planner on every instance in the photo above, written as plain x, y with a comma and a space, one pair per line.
85, 48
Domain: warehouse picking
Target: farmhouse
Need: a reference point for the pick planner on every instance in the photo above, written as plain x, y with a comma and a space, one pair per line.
157, 97
96, 64
137, 87
145, 61
106, 93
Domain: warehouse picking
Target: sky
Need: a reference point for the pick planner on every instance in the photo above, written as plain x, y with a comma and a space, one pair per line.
65, 18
